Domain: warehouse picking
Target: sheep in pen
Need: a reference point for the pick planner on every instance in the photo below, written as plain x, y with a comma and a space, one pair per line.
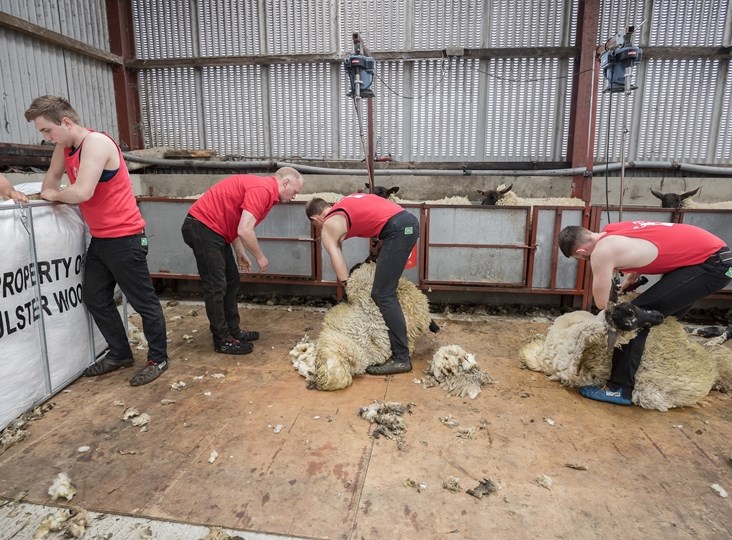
674, 370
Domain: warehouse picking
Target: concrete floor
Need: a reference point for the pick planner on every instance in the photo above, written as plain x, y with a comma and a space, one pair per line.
322, 475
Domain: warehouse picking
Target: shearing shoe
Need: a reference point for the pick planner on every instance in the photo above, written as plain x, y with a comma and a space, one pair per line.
391, 367
603, 393
149, 373
105, 365
234, 346
245, 335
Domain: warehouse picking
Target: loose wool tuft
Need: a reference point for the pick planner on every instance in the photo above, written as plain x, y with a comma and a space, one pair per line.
674, 371
457, 372
354, 335
511, 199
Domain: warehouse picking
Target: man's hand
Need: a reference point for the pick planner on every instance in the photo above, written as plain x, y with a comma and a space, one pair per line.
17, 196
50, 194
263, 263
245, 265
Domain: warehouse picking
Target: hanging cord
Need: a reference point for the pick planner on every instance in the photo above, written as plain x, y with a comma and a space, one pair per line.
607, 158
362, 136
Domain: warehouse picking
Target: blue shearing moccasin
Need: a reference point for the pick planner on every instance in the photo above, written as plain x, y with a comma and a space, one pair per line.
618, 397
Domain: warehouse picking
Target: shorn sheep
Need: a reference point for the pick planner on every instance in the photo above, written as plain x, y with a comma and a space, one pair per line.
684, 200
503, 196
674, 370
353, 334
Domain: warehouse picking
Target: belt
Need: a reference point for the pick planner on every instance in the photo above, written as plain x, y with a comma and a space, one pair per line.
724, 255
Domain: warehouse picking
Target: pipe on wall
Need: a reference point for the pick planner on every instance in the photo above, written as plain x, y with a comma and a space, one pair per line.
265, 164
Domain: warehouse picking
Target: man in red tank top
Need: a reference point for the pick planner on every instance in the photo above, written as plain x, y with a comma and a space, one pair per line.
693, 262
101, 186
367, 216
224, 218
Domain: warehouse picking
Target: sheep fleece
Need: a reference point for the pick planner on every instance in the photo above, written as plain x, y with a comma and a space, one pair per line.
354, 335
674, 371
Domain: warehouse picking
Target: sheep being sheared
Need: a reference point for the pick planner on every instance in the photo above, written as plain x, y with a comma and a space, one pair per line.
674, 371
503, 196
354, 335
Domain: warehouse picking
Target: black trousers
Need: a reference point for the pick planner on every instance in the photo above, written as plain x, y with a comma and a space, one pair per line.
674, 294
399, 235
123, 261
219, 277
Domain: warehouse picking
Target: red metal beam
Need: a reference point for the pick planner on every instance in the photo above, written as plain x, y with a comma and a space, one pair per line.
581, 143
127, 96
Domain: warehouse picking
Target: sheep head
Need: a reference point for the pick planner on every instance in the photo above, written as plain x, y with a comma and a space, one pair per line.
492, 196
626, 317
384, 193
673, 200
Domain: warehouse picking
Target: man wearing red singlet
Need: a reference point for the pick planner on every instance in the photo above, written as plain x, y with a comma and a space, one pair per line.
224, 218
693, 262
101, 186
367, 216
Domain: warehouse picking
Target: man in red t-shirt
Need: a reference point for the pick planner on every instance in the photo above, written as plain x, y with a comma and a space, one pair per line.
222, 218
694, 263
101, 186
368, 216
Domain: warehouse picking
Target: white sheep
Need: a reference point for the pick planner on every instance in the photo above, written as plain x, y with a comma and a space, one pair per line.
674, 371
684, 200
354, 335
503, 196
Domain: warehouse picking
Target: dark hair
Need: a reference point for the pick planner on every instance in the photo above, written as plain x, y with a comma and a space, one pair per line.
52, 108
570, 238
315, 207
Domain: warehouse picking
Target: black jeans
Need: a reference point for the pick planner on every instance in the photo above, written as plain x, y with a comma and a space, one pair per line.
219, 277
674, 294
399, 235
123, 261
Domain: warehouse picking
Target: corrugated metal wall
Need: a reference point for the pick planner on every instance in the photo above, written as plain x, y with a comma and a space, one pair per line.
430, 110
457, 109
31, 68
678, 110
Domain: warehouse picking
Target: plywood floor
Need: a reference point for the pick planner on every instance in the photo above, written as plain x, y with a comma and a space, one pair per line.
649, 474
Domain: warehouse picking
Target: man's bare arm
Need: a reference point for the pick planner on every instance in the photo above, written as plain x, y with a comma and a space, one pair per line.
249, 240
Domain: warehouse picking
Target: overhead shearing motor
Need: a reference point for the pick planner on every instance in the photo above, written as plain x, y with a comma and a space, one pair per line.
618, 59
360, 68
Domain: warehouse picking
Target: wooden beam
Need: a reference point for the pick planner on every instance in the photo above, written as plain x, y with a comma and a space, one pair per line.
581, 141
126, 90
54, 38
268, 59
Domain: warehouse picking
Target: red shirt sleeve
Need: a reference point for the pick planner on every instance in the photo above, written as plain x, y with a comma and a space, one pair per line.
257, 201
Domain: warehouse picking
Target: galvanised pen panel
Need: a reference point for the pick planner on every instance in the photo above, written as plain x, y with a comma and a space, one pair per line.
478, 225
546, 235
476, 265
355, 250
167, 252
